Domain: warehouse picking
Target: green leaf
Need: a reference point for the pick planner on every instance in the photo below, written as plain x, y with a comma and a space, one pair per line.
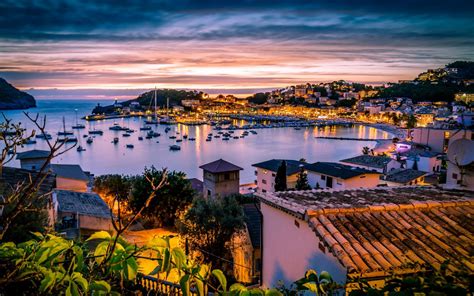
100, 286
257, 292
104, 235
100, 251
311, 286
165, 267
273, 292
221, 278
48, 281
132, 268
156, 270
184, 283
81, 281
325, 276
200, 287
179, 257
237, 287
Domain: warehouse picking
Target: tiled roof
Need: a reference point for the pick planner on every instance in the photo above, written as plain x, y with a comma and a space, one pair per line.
11, 177
84, 203
31, 154
253, 220
336, 170
373, 232
369, 160
69, 171
292, 166
389, 238
220, 166
403, 176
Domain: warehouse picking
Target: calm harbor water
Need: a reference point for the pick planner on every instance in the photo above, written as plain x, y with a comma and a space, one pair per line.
102, 156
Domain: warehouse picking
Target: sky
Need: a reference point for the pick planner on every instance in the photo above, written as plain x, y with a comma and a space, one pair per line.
101, 49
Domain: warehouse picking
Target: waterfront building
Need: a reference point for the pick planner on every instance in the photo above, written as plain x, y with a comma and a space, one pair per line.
364, 234
33, 159
426, 161
333, 175
266, 171
381, 164
464, 97
220, 178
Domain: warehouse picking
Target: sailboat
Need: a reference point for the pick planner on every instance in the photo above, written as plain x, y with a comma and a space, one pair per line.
167, 119
67, 135
78, 125
155, 119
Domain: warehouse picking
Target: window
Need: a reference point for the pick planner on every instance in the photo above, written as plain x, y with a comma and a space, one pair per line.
273, 174
264, 181
256, 173
226, 176
455, 176
209, 192
263, 190
323, 177
297, 224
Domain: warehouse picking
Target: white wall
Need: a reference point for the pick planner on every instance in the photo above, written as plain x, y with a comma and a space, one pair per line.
362, 181
289, 251
70, 184
426, 164
266, 180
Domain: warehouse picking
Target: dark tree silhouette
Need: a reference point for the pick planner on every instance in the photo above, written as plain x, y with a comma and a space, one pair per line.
280, 178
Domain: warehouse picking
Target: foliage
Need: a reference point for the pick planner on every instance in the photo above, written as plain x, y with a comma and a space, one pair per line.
302, 181
410, 120
258, 98
117, 186
208, 226
173, 198
280, 178
346, 103
365, 150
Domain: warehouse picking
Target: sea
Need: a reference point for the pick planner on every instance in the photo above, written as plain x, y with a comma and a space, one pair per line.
104, 157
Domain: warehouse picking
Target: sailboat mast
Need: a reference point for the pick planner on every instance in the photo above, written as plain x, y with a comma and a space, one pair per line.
64, 125
167, 105
155, 104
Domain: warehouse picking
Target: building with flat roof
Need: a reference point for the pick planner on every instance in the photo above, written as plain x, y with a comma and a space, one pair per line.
381, 164
265, 173
33, 159
71, 177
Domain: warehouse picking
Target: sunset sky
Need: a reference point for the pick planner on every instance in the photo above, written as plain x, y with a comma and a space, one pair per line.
106, 48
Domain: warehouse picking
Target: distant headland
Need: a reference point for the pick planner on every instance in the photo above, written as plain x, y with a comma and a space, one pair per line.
12, 98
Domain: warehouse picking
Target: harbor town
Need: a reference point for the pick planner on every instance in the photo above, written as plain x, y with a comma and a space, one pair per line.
201, 148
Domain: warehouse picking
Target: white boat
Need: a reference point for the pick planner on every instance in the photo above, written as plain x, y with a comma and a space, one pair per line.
96, 132
80, 148
130, 146
89, 140
78, 125
65, 133
115, 141
145, 128
44, 136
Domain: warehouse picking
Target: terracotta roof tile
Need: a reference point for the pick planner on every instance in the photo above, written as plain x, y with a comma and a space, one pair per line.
383, 230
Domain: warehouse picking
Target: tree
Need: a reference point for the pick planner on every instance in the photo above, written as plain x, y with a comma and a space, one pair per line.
208, 226
115, 186
415, 165
411, 121
302, 181
280, 178
174, 196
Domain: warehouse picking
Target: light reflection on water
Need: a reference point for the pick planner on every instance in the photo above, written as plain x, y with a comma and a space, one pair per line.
103, 157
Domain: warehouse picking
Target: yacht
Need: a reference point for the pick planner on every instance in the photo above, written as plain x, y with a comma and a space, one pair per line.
96, 132
44, 136
65, 133
89, 140
175, 148
30, 142
80, 148
78, 125
145, 128
140, 138
130, 146
154, 120
115, 141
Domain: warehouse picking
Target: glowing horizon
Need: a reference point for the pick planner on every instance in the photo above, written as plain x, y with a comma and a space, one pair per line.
198, 45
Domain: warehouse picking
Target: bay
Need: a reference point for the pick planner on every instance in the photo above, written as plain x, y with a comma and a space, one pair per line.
103, 157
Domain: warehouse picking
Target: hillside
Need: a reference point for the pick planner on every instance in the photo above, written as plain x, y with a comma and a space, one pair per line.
11, 98
146, 99
435, 84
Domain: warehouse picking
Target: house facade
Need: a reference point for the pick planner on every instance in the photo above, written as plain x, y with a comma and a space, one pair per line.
369, 236
265, 173
71, 177
220, 178
381, 164
334, 175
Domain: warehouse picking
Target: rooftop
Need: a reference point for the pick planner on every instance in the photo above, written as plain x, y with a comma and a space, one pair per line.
220, 166
337, 170
369, 160
11, 177
69, 171
292, 166
253, 220
32, 154
196, 184
403, 176
88, 204
374, 232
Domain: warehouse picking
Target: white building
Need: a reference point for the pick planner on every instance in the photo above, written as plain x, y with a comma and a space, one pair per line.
381, 164
365, 234
438, 139
71, 177
265, 173
338, 176
33, 160
460, 172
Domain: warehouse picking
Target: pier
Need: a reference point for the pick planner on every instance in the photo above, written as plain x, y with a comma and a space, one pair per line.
350, 139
